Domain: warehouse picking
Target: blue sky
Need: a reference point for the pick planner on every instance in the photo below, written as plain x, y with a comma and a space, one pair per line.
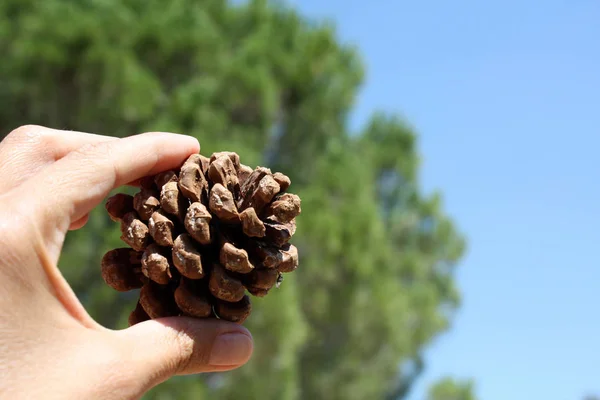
506, 98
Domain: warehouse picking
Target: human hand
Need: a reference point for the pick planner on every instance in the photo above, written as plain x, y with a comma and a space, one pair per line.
49, 346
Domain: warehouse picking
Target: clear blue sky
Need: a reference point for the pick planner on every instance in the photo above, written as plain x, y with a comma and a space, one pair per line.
506, 98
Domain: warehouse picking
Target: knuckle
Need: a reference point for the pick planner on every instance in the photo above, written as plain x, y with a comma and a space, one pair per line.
97, 156
39, 138
94, 150
26, 133
184, 350
102, 157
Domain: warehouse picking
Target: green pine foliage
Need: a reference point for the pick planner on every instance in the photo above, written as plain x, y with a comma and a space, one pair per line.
451, 389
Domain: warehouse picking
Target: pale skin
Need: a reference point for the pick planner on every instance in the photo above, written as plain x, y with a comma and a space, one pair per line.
50, 348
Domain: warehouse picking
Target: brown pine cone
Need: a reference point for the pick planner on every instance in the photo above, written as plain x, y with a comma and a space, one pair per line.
201, 237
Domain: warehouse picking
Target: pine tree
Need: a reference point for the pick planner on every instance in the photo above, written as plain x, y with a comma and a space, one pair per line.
451, 389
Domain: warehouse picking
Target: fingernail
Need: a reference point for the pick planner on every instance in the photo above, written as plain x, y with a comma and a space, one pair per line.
231, 348
185, 138
178, 136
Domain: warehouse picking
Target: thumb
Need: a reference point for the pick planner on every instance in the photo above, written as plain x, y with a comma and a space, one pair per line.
159, 349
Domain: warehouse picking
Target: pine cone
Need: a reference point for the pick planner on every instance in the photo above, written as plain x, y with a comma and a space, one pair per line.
201, 237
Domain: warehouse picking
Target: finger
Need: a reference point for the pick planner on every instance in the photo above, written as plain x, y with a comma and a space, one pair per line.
159, 349
71, 187
80, 223
28, 149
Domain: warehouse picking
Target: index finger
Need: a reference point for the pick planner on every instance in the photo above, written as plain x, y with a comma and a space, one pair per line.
30, 148
71, 187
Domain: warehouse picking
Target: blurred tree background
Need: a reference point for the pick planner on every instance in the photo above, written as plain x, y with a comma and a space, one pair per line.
450, 389
377, 255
